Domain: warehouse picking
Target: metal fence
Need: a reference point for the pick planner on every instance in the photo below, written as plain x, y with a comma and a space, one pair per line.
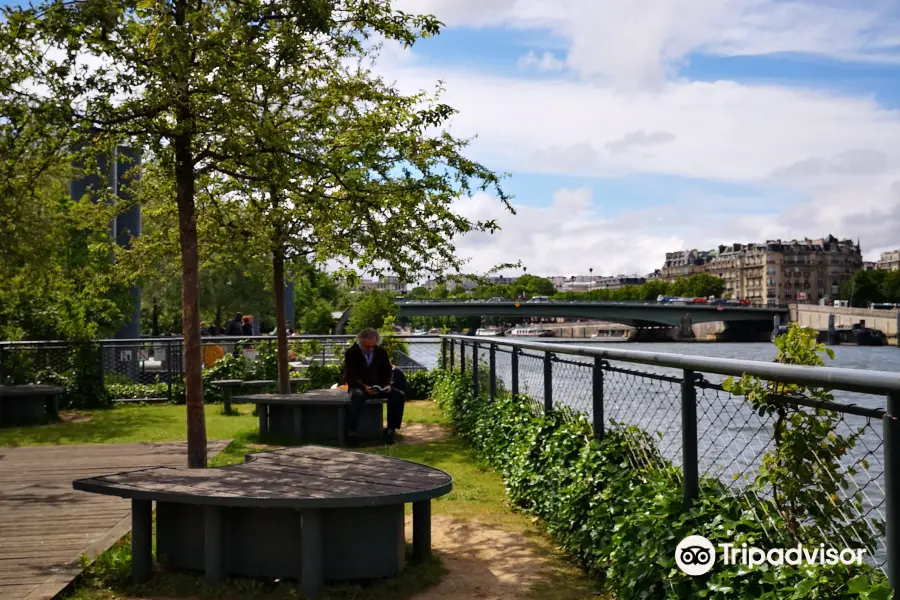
160, 361
702, 428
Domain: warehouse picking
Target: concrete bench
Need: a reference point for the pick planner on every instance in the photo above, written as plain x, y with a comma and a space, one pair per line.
28, 404
258, 386
310, 513
317, 416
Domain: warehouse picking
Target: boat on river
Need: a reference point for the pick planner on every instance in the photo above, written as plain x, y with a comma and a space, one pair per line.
529, 332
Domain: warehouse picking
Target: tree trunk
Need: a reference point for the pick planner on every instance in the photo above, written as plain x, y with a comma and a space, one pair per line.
190, 302
284, 381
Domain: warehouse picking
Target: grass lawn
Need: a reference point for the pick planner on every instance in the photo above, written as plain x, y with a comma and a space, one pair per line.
478, 494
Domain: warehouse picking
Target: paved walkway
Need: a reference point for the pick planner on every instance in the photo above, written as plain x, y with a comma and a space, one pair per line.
45, 525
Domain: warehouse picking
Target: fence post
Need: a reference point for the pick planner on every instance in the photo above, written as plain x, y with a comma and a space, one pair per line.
168, 367
548, 382
514, 368
689, 438
891, 424
462, 356
492, 370
443, 353
475, 368
452, 352
598, 398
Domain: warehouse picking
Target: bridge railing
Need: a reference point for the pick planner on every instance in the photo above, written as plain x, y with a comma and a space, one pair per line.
705, 430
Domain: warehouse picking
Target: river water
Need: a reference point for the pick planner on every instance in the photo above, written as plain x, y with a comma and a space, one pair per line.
731, 437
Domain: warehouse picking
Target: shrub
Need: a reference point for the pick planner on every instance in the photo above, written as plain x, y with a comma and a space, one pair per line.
137, 390
323, 376
616, 505
420, 384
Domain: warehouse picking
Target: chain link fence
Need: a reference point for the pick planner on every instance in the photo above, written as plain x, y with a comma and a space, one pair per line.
726, 437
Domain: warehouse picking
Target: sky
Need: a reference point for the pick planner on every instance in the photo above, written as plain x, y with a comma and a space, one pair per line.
634, 128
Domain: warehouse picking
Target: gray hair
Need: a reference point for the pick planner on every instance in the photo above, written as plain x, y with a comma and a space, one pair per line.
368, 334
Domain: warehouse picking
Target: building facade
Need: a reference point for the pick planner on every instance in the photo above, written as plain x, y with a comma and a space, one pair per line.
777, 273
889, 261
684, 263
388, 283
617, 282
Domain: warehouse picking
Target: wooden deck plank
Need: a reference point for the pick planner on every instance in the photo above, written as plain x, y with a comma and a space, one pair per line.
45, 525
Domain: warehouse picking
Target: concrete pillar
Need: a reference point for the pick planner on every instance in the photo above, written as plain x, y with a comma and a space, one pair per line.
832, 334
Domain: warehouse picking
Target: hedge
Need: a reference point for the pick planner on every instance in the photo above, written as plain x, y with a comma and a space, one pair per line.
621, 521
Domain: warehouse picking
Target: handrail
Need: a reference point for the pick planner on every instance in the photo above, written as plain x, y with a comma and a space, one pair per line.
207, 338
851, 380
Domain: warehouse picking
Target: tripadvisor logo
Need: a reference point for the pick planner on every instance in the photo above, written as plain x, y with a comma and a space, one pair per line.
695, 555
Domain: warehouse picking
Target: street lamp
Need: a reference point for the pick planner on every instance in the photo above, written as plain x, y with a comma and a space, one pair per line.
591, 283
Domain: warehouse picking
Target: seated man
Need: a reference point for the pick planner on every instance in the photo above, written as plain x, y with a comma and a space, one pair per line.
367, 364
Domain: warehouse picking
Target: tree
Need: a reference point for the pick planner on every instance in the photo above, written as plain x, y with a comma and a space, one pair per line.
458, 291
373, 309
535, 286
160, 72
890, 286
864, 288
418, 293
698, 285
316, 318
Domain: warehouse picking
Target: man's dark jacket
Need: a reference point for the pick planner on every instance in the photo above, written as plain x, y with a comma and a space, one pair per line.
357, 373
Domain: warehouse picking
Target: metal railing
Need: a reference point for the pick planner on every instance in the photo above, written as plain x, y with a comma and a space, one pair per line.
702, 428
158, 363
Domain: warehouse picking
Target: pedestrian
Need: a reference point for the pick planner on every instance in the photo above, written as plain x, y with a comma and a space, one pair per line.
234, 326
247, 325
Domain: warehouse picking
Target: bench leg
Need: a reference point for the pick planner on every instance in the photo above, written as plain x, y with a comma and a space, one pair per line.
141, 540
226, 399
311, 575
298, 424
214, 544
421, 523
263, 410
342, 426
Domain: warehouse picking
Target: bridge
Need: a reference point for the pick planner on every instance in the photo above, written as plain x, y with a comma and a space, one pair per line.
638, 314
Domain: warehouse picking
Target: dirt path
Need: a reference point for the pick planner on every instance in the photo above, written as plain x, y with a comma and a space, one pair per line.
482, 562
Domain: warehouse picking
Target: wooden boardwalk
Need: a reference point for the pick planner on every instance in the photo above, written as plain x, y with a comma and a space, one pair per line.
45, 525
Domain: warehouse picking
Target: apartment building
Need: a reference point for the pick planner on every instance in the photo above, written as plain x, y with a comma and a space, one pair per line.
388, 283
617, 282
889, 261
777, 273
470, 284
684, 263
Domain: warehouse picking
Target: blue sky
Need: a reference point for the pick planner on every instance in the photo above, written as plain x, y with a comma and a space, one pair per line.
632, 129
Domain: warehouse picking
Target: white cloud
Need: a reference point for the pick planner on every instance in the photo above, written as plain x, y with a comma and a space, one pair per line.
545, 62
639, 42
837, 150
570, 236
722, 130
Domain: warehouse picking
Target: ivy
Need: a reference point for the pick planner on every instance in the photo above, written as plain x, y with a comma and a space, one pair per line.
616, 505
804, 473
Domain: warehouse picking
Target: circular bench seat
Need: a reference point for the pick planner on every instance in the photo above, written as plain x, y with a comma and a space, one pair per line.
312, 513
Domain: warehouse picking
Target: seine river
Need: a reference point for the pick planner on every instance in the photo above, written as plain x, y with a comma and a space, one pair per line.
731, 437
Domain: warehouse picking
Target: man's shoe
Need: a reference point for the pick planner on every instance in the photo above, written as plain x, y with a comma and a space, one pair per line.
388, 436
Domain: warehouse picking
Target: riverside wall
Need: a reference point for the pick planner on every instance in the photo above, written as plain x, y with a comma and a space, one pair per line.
812, 315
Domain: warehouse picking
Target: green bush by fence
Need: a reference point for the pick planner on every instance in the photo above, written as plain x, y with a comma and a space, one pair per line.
621, 516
